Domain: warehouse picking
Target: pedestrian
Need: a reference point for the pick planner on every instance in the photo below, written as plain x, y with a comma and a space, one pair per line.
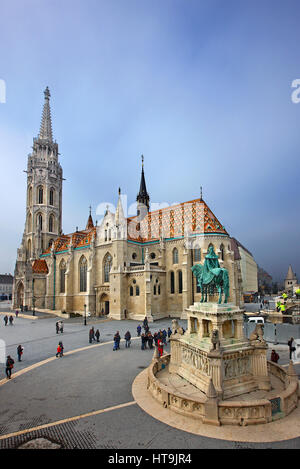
145, 324
169, 332
9, 366
155, 337
17, 312
11, 320
58, 351
61, 327
91, 335
57, 327
117, 339
292, 348
138, 329
164, 336
127, 337
20, 352
61, 348
143, 341
274, 356
160, 347
150, 340
5, 319
97, 335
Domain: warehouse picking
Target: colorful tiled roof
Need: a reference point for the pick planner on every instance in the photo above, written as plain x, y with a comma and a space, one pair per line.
39, 266
193, 217
76, 239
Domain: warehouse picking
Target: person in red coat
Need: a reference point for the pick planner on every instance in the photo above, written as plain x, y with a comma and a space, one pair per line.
59, 351
160, 347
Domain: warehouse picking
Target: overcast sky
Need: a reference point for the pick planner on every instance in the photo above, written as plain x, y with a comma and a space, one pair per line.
201, 88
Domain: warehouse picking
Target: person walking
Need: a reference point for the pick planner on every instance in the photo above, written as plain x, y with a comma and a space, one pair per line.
138, 329
155, 337
57, 327
274, 356
19, 352
61, 328
127, 337
17, 312
97, 335
143, 341
145, 324
150, 340
292, 348
117, 339
11, 320
91, 335
61, 348
5, 319
9, 366
58, 351
169, 332
164, 336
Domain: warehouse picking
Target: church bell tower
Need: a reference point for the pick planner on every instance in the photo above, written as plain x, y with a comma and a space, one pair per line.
44, 190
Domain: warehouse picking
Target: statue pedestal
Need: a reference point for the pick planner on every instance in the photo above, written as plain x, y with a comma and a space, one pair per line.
214, 349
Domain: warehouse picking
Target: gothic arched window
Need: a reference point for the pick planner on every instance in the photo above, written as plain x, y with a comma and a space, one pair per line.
29, 223
175, 256
28, 251
154, 290
51, 223
40, 221
179, 281
137, 290
107, 267
40, 191
62, 278
172, 282
83, 274
131, 291
159, 289
51, 197
30, 195
222, 252
197, 254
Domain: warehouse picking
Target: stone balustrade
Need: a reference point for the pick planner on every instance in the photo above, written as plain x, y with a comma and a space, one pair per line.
246, 412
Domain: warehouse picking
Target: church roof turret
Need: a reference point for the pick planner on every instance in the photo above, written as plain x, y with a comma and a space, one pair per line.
119, 217
90, 223
290, 274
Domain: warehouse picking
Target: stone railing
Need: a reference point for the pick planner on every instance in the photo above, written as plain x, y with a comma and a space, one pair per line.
135, 268
226, 412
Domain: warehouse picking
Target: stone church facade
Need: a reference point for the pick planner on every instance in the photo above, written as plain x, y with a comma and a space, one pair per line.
125, 267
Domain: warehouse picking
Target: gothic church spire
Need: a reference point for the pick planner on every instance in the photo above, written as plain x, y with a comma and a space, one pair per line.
46, 125
143, 198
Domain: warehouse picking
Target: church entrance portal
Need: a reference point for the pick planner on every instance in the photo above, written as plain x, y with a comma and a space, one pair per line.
104, 304
20, 295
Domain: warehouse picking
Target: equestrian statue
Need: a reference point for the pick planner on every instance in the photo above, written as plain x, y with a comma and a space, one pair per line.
211, 276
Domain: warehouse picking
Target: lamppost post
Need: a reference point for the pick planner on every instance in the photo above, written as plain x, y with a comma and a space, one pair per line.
33, 298
85, 314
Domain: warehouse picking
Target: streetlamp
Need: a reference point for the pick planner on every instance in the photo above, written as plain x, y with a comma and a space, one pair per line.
33, 298
85, 315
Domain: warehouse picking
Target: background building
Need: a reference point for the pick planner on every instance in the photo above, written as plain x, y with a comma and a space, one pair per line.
6, 286
291, 282
264, 282
248, 268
